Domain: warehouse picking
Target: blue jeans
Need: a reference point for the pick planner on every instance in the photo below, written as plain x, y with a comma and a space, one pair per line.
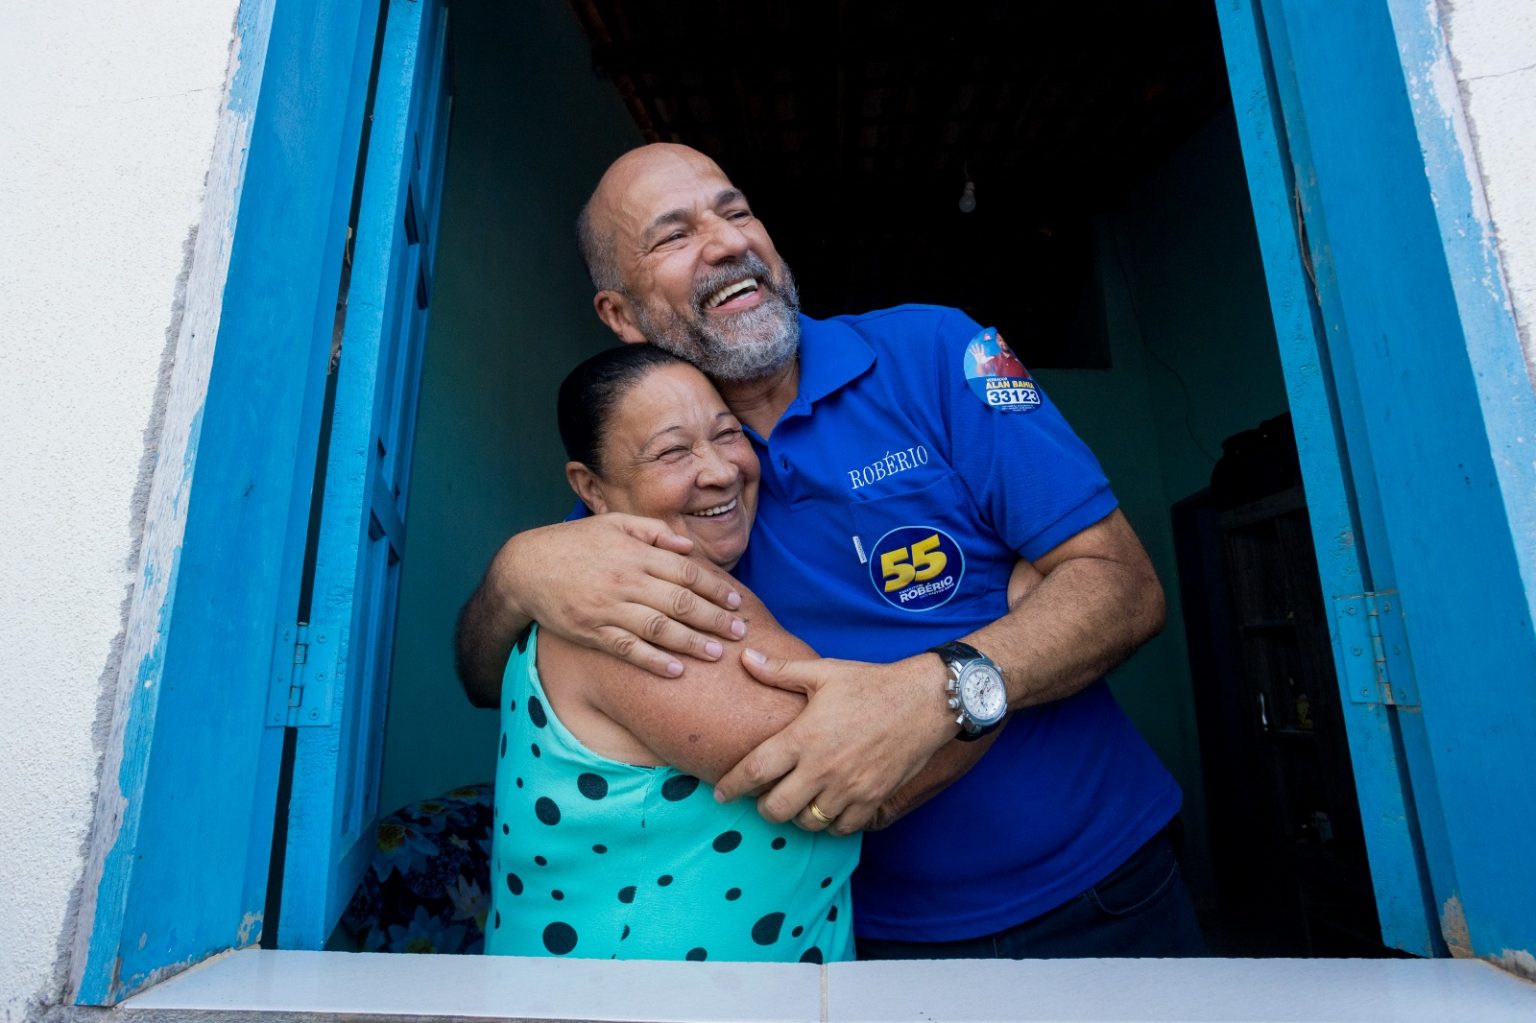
1141, 910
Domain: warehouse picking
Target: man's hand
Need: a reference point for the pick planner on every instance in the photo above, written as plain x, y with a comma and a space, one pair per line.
867, 729
617, 583
1082, 608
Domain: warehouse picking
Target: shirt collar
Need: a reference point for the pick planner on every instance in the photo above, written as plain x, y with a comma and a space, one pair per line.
832, 355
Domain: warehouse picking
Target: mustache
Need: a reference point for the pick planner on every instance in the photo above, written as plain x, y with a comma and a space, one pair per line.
749, 265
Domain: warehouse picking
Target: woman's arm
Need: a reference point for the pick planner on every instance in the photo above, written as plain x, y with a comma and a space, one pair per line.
705, 721
702, 722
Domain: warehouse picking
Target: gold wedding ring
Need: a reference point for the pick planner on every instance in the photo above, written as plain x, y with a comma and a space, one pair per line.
818, 813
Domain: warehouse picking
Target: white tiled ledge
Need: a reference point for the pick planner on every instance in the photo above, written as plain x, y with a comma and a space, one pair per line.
295, 985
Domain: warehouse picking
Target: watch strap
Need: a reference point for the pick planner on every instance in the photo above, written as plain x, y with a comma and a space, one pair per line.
956, 650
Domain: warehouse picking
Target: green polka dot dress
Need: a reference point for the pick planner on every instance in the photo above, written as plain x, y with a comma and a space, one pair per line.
597, 859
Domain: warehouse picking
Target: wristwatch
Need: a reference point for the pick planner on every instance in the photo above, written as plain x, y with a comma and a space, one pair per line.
975, 687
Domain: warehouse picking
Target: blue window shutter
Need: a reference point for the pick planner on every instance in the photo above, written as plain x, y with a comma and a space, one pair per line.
179, 862
1413, 308
1275, 153
340, 711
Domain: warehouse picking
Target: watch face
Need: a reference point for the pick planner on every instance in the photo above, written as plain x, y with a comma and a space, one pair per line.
982, 693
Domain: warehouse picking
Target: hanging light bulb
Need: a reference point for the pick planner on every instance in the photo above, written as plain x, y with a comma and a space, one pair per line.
967, 201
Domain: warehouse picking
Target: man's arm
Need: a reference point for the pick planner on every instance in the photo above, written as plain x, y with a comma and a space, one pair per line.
715, 714
869, 728
702, 722
616, 583
954, 758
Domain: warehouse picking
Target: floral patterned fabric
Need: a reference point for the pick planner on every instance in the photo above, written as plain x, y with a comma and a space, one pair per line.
428, 887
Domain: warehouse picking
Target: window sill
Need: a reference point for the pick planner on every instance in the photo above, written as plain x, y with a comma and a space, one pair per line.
297, 985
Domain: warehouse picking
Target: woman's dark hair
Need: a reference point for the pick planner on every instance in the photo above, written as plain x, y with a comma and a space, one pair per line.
592, 391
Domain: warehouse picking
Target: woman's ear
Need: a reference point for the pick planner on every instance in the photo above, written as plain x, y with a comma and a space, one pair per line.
587, 486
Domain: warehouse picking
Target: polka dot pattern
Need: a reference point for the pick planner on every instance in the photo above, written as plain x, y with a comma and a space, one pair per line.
559, 938
719, 883
679, 787
766, 930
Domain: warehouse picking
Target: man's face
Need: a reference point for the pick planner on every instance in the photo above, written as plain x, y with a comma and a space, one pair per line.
700, 276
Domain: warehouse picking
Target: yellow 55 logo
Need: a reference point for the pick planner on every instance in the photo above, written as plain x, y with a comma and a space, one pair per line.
916, 568
916, 563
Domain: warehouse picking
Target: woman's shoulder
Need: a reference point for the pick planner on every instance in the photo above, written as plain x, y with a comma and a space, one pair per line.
763, 629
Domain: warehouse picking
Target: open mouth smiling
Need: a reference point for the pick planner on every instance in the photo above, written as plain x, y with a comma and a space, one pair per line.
736, 289
717, 510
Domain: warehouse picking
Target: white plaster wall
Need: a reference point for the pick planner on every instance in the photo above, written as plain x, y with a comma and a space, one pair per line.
1493, 44
108, 115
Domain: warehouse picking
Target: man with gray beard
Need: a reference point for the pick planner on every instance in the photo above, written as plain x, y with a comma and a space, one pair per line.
902, 482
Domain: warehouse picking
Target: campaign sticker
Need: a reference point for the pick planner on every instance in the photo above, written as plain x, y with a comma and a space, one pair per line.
916, 568
996, 375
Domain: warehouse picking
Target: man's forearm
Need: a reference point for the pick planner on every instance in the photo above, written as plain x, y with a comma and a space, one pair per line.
1087, 616
488, 626
868, 729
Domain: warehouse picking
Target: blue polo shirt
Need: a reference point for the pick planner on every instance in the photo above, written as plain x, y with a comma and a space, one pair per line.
916, 464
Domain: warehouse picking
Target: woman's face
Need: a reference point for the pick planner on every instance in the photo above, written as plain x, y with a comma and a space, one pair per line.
674, 452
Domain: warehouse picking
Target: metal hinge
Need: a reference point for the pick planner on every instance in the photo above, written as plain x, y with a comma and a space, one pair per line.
303, 674
1374, 650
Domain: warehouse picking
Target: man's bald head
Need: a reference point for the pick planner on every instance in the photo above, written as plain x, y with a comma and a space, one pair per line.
679, 259
594, 225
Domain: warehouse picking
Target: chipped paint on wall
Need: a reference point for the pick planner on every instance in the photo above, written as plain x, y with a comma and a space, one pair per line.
1491, 47
1453, 927
111, 114
103, 889
1477, 150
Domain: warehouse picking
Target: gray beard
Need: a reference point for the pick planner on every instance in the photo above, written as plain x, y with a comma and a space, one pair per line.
758, 342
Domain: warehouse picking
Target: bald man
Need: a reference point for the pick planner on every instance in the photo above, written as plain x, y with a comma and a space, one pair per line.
902, 482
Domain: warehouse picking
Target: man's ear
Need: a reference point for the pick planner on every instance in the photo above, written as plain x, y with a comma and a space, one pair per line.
587, 486
613, 309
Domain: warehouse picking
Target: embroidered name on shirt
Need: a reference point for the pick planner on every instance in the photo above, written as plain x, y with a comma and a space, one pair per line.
891, 465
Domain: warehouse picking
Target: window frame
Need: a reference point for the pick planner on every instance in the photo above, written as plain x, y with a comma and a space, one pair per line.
177, 868
189, 755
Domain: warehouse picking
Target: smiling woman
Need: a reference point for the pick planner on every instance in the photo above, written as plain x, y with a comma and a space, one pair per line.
670, 449
606, 844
